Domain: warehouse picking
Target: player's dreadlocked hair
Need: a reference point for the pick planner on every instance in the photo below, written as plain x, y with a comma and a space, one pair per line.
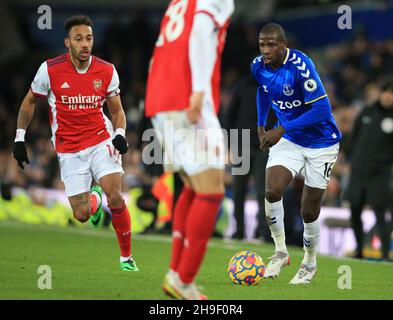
76, 21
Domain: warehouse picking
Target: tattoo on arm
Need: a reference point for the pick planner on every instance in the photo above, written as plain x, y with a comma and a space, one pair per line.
24, 118
26, 111
115, 107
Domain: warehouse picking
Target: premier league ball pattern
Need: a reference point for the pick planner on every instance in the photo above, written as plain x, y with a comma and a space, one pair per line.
246, 268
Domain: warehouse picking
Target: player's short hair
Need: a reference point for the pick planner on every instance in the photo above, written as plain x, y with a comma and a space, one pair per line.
77, 21
274, 28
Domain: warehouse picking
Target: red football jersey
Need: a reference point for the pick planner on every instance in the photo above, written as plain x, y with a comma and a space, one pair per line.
76, 99
169, 83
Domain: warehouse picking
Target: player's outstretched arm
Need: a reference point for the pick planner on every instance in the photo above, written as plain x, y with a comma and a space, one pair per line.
25, 115
119, 123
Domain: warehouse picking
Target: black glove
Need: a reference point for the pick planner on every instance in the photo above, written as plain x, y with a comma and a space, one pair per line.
20, 153
120, 143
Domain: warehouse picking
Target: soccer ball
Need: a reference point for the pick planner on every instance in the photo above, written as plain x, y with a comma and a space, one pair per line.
246, 268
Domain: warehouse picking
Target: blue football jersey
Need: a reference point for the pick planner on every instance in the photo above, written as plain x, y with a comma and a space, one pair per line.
290, 90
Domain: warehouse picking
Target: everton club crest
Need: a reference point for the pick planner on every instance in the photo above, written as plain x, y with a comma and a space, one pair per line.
288, 91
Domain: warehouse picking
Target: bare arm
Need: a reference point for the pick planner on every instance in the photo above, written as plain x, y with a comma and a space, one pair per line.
26, 111
117, 113
25, 115
119, 123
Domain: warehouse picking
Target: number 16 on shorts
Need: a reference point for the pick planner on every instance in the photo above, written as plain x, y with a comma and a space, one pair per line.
328, 169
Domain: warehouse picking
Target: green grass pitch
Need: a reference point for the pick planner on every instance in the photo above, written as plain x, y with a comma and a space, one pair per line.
85, 265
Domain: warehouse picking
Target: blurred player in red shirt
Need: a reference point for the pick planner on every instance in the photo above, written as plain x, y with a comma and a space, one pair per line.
182, 99
88, 144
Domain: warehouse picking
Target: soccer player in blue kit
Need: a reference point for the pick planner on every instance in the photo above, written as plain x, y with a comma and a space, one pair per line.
304, 141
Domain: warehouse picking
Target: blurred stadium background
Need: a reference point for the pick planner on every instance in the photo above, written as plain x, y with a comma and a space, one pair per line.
351, 64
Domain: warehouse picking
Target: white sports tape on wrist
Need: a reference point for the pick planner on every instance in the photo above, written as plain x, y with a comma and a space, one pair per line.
20, 135
120, 131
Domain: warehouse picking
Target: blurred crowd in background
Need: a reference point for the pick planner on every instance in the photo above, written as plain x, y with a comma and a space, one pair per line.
351, 72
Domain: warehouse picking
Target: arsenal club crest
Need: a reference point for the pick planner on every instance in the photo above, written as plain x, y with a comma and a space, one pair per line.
97, 83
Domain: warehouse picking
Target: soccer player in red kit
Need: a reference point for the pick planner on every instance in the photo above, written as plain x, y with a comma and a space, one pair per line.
183, 94
88, 145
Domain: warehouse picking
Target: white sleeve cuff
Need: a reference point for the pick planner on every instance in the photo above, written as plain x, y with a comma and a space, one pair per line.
113, 88
41, 83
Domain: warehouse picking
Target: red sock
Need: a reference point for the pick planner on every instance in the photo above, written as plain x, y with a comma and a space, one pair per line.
182, 207
93, 204
200, 224
121, 222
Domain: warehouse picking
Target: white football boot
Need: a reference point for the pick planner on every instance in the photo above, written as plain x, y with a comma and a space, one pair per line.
277, 261
304, 275
174, 288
